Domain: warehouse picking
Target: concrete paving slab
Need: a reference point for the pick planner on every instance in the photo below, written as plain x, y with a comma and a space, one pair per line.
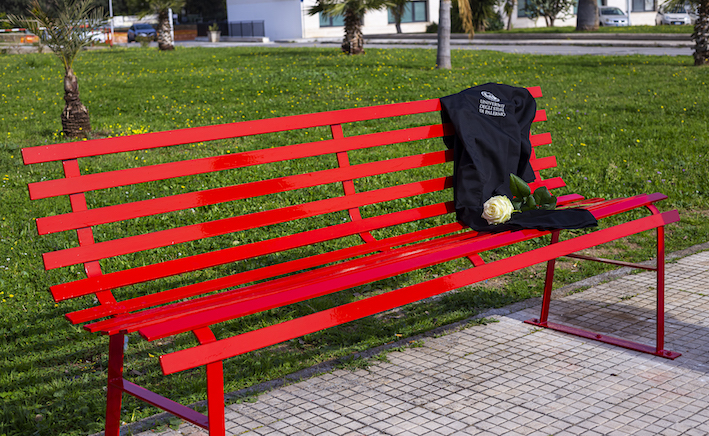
511, 378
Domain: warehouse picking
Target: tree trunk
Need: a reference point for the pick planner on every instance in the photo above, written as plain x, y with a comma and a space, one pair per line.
398, 27
164, 36
509, 10
353, 42
443, 58
75, 117
701, 35
587, 18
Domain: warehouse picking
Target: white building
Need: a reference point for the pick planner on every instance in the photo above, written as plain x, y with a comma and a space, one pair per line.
289, 19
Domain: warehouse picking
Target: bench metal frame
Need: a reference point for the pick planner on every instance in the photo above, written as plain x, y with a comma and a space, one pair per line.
189, 309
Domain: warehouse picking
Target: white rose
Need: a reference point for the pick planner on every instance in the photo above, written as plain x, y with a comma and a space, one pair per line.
497, 210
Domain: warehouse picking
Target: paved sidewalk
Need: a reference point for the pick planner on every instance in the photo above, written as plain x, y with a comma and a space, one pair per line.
509, 378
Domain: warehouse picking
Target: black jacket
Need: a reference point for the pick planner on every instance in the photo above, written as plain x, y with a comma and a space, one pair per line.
492, 124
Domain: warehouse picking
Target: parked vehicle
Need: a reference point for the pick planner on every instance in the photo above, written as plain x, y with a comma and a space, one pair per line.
142, 30
98, 35
672, 16
612, 16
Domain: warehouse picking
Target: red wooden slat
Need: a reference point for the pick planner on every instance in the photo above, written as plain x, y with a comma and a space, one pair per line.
233, 254
73, 289
536, 91
330, 283
275, 288
147, 241
131, 176
250, 276
230, 347
540, 139
540, 115
626, 204
221, 308
599, 208
552, 183
543, 163
97, 147
57, 223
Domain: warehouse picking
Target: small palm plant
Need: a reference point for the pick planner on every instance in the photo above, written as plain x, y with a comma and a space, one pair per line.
162, 9
353, 12
66, 32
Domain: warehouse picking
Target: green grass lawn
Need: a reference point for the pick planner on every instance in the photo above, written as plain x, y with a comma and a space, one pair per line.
621, 126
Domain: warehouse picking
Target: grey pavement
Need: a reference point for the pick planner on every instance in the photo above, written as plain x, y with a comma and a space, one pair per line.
552, 43
510, 378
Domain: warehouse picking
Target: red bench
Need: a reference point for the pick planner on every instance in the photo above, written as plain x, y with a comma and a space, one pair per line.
340, 211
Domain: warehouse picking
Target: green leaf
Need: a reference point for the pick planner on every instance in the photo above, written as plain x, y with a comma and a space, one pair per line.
542, 195
529, 203
518, 187
544, 198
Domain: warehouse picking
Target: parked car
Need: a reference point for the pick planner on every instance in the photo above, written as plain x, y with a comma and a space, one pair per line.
143, 30
672, 15
612, 16
99, 35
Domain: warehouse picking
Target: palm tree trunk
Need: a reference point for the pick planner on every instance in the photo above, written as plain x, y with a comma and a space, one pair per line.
164, 36
509, 10
75, 116
701, 35
587, 18
443, 57
353, 42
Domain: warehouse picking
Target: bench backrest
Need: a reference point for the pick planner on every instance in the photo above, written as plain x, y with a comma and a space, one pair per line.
229, 213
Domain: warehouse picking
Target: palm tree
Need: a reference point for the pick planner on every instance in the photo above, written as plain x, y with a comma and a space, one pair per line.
397, 10
701, 33
162, 9
443, 56
66, 33
587, 18
353, 11
509, 8
701, 29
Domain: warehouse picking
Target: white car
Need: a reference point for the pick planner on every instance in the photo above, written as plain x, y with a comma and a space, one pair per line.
612, 16
673, 16
99, 35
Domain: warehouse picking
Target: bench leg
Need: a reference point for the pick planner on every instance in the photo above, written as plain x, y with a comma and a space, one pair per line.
215, 387
658, 350
215, 398
114, 393
548, 282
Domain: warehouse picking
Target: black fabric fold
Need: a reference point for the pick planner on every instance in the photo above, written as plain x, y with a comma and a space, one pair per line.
492, 125
541, 219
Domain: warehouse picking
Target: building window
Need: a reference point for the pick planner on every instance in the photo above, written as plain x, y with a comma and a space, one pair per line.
523, 8
331, 21
644, 5
414, 12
